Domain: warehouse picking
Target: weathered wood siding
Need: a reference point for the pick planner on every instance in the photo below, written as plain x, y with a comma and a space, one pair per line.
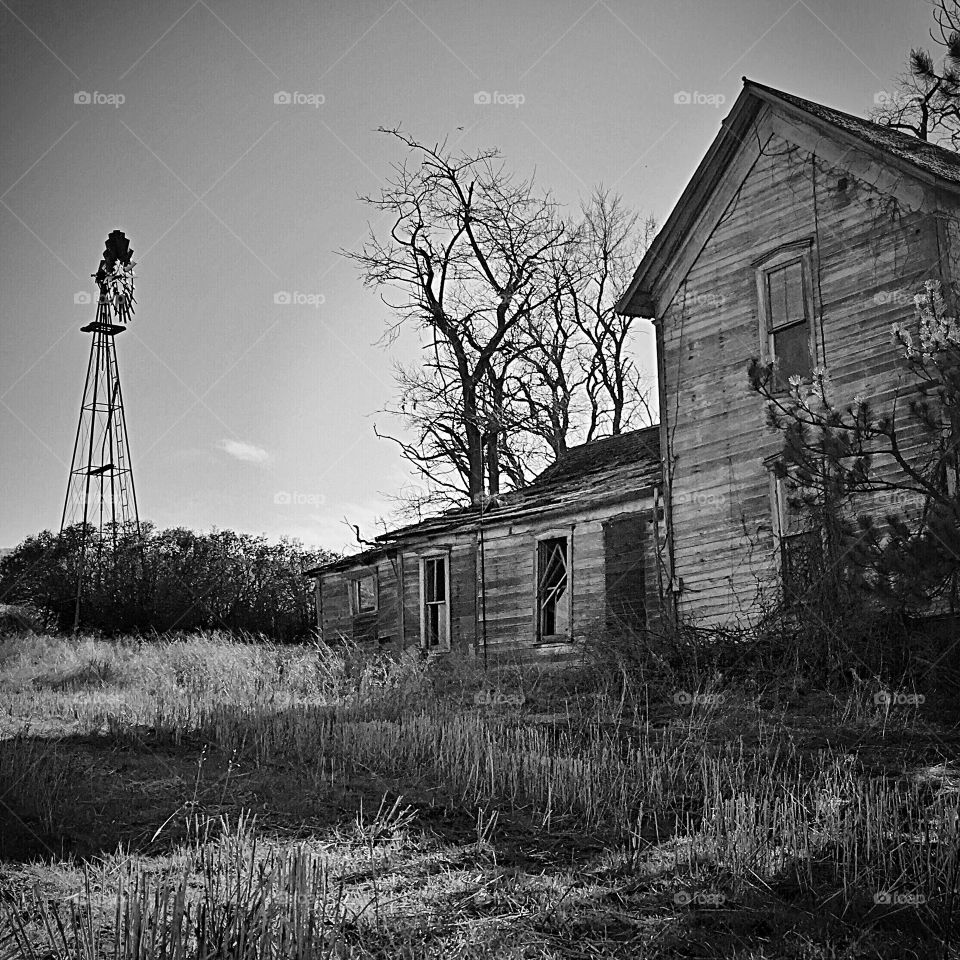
460, 550
509, 562
396, 623
625, 560
336, 620
874, 239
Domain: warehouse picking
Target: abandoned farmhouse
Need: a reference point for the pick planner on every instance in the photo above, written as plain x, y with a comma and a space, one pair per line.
579, 540
801, 237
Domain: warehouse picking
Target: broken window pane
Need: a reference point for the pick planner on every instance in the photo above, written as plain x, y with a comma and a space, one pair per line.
800, 545
791, 506
435, 620
436, 626
363, 596
553, 608
436, 581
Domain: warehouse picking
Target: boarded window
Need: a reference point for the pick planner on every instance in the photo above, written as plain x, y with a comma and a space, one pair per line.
625, 582
788, 321
436, 620
553, 595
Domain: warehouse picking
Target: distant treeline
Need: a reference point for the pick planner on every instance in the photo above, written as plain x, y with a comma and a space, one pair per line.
173, 579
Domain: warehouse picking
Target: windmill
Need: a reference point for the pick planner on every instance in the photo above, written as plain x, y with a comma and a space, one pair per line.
100, 490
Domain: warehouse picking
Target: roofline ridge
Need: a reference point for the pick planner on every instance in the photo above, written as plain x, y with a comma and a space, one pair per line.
717, 156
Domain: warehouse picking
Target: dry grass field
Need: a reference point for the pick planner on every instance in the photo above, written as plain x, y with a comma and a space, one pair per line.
191, 797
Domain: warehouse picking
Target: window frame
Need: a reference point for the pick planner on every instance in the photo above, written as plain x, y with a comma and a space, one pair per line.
542, 538
353, 591
784, 256
780, 502
443, 555
783, 536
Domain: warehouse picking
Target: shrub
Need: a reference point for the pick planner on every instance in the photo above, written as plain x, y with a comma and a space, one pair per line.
164, 580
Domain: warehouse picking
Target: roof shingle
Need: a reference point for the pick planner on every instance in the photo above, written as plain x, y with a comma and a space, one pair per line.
935, 160
593, 471
589, 473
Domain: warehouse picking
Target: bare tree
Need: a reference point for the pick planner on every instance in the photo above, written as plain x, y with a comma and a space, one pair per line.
926, 102
469, 252
546, 389
523, 353
576, 380
430, 407
612, 240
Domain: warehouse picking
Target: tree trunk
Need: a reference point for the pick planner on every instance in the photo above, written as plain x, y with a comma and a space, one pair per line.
493, 460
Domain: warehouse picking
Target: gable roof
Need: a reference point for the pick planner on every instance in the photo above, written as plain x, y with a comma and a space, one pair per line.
924, 161
609, 469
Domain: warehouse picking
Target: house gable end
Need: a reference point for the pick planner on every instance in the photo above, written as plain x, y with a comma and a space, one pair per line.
759, 116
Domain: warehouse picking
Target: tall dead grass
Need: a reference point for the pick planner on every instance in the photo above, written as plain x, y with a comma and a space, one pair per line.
711, 812
218, 898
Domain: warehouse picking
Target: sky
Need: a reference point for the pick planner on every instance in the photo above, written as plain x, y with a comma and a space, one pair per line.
230, 140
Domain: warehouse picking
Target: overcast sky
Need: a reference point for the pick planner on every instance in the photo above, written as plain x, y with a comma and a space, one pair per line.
234, 403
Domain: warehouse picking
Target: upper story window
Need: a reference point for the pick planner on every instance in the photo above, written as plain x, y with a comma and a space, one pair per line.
363, 594
786, 316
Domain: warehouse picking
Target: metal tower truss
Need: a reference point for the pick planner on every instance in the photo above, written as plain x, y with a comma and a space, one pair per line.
101, 497
101, 490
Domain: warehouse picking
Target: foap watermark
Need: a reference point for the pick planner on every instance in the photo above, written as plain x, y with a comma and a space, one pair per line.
484, 98
699, 99
708, 301
495, 698
895, 298
686, 698
712, 501
303, 901
699, 898
898, 698
900, 500
81, 298
98, 99
297, 99
883, 98
894, 899
287, 298
294, 498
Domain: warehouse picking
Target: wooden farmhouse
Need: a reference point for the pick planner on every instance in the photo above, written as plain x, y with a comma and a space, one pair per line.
802, 237
530, 574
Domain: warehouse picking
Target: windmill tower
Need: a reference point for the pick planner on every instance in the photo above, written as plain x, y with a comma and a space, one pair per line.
100, 491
